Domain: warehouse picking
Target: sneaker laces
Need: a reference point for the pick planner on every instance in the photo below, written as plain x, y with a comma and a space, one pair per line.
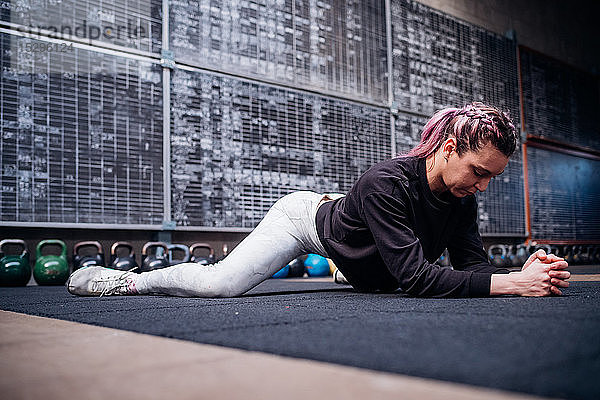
115, 284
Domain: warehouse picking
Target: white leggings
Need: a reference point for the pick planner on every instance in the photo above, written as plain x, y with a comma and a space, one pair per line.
286, 232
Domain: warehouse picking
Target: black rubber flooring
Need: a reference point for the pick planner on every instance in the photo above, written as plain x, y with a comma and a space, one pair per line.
544, 346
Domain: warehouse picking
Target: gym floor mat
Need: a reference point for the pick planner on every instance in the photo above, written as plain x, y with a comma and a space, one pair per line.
542, 346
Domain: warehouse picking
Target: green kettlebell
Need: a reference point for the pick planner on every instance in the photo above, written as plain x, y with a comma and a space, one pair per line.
51, 269
14, 268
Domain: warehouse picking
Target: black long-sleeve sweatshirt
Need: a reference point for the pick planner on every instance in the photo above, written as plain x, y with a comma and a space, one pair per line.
389, 229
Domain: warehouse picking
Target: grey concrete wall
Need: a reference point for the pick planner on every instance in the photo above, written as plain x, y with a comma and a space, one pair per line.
568, 30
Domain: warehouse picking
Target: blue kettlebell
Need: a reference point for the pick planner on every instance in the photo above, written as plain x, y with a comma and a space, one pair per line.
316, 265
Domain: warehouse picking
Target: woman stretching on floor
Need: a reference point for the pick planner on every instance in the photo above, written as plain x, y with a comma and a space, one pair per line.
383, 235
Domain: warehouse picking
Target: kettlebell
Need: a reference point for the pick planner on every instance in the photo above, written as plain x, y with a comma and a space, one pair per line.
51, 269
555, 250
584, 255
521, 255
577, 258
204, 260
14, 268
511, 256
182, 247
568, 253
157, 260
122, 263
81, 261
498, 255
595, 255
545, 247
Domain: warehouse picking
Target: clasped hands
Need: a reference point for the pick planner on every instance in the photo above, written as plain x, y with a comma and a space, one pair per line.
546, 273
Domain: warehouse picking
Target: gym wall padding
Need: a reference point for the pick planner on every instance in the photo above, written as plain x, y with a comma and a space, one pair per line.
265, 98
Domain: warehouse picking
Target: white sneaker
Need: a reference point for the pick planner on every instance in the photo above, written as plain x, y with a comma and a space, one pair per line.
338, 277
100, 281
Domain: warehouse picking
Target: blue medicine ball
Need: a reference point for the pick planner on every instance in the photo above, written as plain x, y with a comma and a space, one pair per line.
316, 265
282, 273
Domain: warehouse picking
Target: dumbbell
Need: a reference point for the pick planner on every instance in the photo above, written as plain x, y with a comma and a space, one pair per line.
125, 262
80, 261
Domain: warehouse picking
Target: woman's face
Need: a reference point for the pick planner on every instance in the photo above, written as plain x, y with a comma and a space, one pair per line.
465, 175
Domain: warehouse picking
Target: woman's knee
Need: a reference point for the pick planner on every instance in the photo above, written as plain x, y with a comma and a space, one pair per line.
223, 284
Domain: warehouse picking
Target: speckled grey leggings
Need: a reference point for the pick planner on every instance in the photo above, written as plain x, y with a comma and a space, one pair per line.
286, 232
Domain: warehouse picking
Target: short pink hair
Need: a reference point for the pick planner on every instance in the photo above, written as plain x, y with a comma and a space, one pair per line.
473, 126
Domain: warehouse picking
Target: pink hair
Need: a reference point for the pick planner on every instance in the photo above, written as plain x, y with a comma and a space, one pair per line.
473, 126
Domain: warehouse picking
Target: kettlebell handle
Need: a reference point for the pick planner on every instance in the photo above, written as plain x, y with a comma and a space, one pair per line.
202, 246
88, 243
38, 249
497, 247
182, 247
116, 245
545, 247
154, 244
14, 241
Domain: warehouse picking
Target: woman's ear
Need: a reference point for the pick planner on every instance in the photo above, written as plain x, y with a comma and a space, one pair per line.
449, 147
